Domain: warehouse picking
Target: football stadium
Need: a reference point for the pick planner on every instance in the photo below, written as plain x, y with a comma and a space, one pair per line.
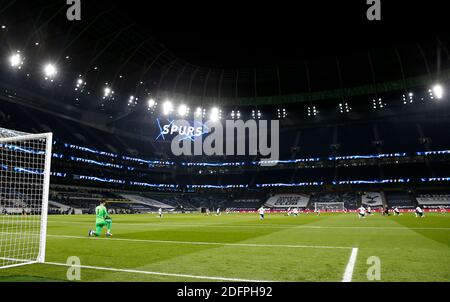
133, 150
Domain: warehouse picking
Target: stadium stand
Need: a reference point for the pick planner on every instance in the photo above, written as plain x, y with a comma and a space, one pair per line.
433, 198
84, 200
400, 199
242, 204
147, 201
361, 155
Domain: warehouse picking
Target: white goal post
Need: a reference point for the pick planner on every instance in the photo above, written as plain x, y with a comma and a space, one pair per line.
329, 206
24, 187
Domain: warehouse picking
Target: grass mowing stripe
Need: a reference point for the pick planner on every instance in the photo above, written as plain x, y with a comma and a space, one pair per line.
156, 273
275, 226
348, 274
203, 243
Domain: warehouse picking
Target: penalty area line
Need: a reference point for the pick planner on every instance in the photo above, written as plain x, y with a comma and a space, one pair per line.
132, 271
348, 274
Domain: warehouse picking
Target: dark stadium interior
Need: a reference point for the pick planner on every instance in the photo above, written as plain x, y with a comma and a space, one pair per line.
360, 110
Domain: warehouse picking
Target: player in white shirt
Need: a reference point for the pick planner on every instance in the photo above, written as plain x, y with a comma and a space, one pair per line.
362, 212
295, 212
218, 212
419, 212
396, 211
160, 213
289, 212
369, 211
261, 211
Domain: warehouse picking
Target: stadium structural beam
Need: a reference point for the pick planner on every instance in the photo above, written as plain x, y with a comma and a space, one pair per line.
363, 90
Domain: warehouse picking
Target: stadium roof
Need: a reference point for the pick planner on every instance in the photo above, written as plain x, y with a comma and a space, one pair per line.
228, 50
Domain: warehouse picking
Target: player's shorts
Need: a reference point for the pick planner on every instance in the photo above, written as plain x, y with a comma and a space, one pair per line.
261, 216
101, 224
419, 213
361, 214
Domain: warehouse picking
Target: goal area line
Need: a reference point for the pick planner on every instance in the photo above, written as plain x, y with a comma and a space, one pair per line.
22, 262
347, 276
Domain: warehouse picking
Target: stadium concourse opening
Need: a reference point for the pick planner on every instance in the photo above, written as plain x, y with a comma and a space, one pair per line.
333, 164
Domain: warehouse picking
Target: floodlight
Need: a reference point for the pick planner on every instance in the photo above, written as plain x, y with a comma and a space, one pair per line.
438, 91
215, 114
199, 112
107, 92
183, 110
16, 60
50, 71
151, 103
167, 108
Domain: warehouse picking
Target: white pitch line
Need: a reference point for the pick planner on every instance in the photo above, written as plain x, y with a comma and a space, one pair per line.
203, 243
157, 273
22, 262
16, 265
348, 274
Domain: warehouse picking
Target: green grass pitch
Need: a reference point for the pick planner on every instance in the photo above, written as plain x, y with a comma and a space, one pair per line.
194, 247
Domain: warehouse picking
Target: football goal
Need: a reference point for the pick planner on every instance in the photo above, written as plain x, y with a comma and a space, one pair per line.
329, 206
24, 185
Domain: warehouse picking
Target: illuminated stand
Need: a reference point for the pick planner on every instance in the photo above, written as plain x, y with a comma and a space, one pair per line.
24, 187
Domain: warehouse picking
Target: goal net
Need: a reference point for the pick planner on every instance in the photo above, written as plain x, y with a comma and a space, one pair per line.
24, 184
329, 206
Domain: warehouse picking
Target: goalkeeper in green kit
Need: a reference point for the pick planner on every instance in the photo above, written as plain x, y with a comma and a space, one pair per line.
102, 219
